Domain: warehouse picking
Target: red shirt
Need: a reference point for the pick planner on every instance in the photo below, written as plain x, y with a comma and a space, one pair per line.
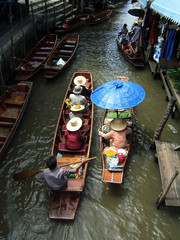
73, 139
124, 48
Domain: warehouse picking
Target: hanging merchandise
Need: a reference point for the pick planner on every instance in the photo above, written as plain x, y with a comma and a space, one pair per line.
158, 50
169, 44
154, 30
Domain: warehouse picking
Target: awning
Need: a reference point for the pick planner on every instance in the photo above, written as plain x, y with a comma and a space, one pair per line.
169, 9
144, 2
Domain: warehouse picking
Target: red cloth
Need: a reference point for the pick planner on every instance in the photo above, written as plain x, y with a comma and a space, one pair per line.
73, 139
154, 29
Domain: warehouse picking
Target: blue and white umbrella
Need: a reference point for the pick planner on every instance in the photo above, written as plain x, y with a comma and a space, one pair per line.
118, 94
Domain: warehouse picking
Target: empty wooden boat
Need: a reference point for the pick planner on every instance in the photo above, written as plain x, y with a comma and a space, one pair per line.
72, 24
36, 58
12, 106
100, 18
63, 205
61, 55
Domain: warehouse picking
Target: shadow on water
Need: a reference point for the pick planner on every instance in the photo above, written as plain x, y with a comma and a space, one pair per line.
126, 211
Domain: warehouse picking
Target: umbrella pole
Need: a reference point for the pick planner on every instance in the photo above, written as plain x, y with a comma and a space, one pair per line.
117, 113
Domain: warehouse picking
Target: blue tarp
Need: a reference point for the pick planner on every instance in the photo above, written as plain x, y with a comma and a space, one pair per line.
144, 2
169, 9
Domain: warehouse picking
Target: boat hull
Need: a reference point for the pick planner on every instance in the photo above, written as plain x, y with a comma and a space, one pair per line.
135, 61
64, 205
63, 52
100, 18
115, 175
34, 61
12, 107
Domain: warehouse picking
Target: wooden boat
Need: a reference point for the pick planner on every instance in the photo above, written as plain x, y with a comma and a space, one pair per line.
61, 55
64, 205
35, 59
12, 105
114, 174
136, 61
100, 18
72, 24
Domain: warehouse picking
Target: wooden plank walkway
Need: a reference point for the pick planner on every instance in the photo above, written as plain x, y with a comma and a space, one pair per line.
169, 162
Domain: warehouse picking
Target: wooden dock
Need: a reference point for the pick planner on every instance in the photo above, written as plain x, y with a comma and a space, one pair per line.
169, 163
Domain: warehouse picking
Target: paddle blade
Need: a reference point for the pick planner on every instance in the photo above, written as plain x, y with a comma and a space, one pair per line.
25, 174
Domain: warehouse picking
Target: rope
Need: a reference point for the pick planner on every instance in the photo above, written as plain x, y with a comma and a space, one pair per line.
5, 86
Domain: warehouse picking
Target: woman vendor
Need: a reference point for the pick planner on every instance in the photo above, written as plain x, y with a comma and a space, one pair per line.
118, 133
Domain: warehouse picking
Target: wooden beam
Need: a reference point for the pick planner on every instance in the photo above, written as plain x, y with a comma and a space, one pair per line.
163, 121
163, 194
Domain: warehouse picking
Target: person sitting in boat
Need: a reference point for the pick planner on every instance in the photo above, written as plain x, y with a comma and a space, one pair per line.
76, 97
76, 111
126, 48
124, 29
73, 134
118, 133
81, 80
135, 49
56, 177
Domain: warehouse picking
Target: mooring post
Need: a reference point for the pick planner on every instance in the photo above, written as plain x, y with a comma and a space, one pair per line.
11, 32
35, 31
23, 34
163, 121
163, 194
2, 79
46, 17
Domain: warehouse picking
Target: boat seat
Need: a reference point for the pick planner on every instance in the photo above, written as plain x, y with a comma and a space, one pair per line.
7, 119
39, 58
46, 48
1, 143
73, 185
65, 51
40, 53
14, 102
6, 124
85, 114
84, 128
62, 148
26, 69
71, 41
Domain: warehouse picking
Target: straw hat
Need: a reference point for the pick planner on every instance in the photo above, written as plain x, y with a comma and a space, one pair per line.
79, 80
77, 107
77, 89
118, 124
74, 124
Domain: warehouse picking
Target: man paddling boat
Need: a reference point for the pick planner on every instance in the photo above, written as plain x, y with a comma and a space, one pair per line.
56, 177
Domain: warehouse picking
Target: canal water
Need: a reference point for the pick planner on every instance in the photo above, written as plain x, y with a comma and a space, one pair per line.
124, 212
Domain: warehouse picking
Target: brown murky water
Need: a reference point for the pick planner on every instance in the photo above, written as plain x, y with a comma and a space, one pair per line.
125, 212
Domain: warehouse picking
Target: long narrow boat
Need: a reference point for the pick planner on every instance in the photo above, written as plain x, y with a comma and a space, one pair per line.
136, 61
36, 58
64, 204
100, 18
72, 24
12, 105
61, 55
114, 174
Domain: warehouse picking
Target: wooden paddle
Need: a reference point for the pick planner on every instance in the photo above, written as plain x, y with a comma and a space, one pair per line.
28, 173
